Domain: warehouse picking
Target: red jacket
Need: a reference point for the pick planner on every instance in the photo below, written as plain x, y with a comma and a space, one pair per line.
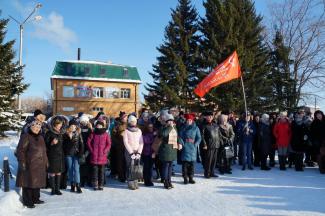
282, 133
99, 146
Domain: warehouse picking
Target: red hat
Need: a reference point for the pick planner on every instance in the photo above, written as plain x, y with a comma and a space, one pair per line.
189, 116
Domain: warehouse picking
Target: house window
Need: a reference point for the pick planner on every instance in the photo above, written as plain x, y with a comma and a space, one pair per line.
68, 91
98, 92
83, 91
125, 93
125, 73
98, 109
111, 92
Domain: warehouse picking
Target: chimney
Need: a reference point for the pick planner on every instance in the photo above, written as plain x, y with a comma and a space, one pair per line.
79, 52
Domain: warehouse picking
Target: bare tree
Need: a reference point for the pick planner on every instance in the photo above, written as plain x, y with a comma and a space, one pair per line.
302, 24
30, 104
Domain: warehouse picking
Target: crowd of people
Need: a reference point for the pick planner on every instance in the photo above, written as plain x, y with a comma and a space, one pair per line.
77, 151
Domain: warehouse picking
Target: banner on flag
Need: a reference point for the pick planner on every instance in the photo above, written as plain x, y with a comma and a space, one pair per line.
224, 72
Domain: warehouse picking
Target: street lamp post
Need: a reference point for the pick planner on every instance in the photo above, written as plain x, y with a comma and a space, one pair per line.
21, 29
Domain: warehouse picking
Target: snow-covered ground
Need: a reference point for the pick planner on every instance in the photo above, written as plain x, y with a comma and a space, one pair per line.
242, 193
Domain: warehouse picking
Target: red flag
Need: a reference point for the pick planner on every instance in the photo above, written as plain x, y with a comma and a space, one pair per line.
224, 72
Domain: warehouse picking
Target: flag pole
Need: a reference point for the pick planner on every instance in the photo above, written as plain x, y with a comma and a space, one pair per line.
242, 84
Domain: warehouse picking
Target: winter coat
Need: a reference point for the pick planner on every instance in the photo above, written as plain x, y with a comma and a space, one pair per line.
133, 141
227, 135
265, 138
31, 153
191, 136
241, 130
211, 136
299, 133
73, 146
282, 133
148, 139
99, 144
55, 152
317, 130
166, 151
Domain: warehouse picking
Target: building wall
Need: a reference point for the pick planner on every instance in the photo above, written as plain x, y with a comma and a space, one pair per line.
111, 106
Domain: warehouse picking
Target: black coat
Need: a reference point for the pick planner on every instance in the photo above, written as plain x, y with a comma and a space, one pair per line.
298, 143
55, 153
73, 146
265, 138
317, 131
211, 136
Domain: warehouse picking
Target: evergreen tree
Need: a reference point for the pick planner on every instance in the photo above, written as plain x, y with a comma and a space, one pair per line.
234, 25
283, 84
11, 83
175, 73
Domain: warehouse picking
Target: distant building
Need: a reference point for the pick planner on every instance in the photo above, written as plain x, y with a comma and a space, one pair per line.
91, 86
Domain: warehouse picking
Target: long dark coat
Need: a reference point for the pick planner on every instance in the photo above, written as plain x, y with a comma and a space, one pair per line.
265, 138
31, 152
55, 153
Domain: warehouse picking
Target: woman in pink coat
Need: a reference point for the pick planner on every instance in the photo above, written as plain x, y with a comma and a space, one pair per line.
133, 142
99, 144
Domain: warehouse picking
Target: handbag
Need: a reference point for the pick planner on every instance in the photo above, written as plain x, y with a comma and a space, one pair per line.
136, 170
228, 152
82, 158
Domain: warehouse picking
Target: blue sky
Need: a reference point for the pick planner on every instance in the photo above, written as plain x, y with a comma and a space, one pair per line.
124, 32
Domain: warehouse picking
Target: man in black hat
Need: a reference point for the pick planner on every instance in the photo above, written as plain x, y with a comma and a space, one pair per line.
211, 142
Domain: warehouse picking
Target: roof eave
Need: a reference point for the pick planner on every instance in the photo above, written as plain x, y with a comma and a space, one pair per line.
95, 79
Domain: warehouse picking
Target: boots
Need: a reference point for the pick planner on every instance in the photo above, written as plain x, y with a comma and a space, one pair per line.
170, 184
191, 181
73, 187
57, 185
167, 185
52, 184
185, 180
282, 163
78, 188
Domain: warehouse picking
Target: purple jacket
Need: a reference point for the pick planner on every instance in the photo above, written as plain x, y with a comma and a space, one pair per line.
148, 139
99, 146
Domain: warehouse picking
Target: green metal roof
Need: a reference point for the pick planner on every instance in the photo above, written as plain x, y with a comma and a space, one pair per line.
95, 71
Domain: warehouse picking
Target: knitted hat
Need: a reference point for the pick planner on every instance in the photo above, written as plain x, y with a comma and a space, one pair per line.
189, 116
131, 119
169, 117
84, 118
73, 122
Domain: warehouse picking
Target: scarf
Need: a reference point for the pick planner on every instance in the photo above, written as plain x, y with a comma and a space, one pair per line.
172, 138
133, 129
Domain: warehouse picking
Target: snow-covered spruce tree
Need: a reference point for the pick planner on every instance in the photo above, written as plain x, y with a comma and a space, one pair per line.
11, 82
175, 73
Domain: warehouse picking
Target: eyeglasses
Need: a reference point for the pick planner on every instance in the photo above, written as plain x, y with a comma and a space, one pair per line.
36, 124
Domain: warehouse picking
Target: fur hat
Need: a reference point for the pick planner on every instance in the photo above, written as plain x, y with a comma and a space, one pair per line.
37, 112
207, 113
99, 122
122, 114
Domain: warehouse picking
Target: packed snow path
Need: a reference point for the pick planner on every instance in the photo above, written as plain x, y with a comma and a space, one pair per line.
243, 193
